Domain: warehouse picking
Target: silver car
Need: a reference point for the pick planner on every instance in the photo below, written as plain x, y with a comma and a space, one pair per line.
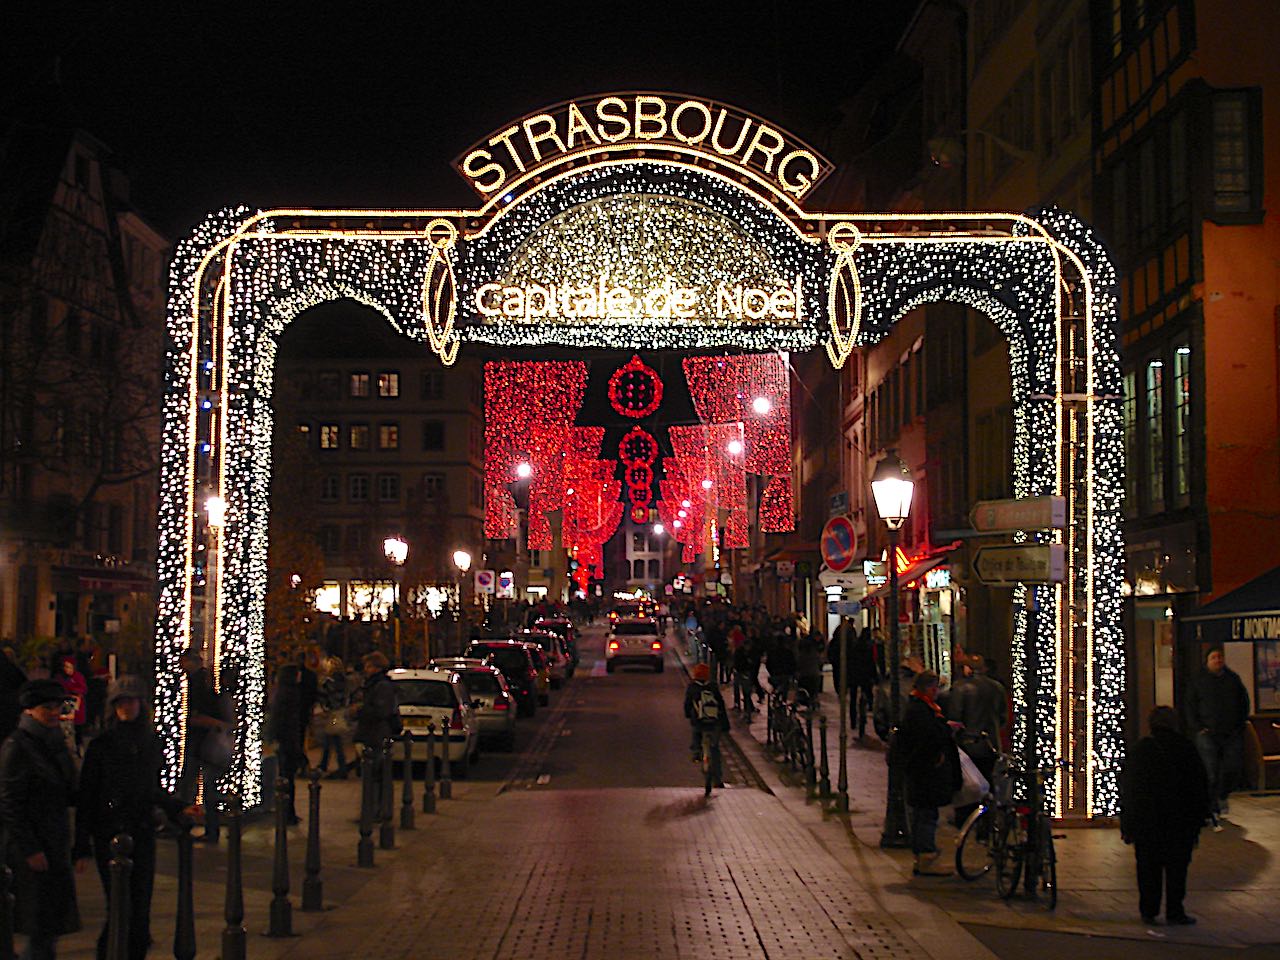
495, 707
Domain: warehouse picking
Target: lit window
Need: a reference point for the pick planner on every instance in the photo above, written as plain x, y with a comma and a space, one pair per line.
389, 384
1130, 444
359, 436
304, 431
360, 385
329, 436
1153, 455
388, 436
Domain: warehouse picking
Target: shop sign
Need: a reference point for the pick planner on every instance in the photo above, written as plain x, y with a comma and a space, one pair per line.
876, 572
939, 578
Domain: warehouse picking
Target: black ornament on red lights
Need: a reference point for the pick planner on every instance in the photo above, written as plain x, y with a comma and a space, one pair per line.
635, 389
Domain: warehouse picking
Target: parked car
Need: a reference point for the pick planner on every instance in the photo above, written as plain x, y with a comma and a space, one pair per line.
634, 640
559, 667
494, 704
568, 632
517, 665
439, 696
544, 670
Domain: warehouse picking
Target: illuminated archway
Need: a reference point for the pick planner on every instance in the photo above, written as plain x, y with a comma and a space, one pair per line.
640, 241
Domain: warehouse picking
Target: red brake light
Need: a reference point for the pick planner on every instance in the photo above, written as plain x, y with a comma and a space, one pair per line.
613, 644
500, 704
656, 645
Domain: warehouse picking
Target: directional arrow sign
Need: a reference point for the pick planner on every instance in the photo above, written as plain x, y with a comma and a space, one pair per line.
1021, 563
1025, 513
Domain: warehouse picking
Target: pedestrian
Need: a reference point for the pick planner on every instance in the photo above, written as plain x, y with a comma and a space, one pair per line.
863, 675
309, 688
207, 750
977, 702
75, 685
120, 792
378, 715
1164, 801
704, 709
37, 786
809, 655
286, 730
1217, 709
925, 748
333, 717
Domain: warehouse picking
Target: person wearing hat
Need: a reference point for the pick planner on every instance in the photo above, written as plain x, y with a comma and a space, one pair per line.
925, 746
120, 793
37, 785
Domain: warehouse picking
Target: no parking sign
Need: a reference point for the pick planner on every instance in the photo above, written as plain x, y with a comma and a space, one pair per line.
839, 543
486, 581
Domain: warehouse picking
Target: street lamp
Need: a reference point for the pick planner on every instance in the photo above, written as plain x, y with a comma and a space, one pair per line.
892, 487
397, 551
461, 560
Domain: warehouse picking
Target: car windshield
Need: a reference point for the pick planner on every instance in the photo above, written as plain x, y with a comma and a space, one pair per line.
561, 627
424, 693
511, 661
543, 640
635, 629
478, 683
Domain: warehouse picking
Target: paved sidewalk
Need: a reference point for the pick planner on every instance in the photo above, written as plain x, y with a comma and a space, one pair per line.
1234, 882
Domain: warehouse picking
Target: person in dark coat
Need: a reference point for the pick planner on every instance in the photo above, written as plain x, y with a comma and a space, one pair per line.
1217, 706
925, 747
37, 787
701, 721
285, 707
120, 792
1164, 801
378, 718
863, 674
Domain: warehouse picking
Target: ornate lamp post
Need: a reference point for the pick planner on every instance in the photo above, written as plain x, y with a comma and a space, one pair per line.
462, 562
892, 486
396, 551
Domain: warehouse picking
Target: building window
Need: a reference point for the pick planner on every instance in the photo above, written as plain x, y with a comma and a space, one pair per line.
388, 487
477, 492
1182, 423
330, 539
329, 385
637, 570
653, 569
1237, 190
330, 487
637, 543
357, 539
1153, 428
358, 488
1130, 444
359, 384
359, 436
433, 435
432, 486
388, 436
329, 436
389, 384
1178, 165
433, 385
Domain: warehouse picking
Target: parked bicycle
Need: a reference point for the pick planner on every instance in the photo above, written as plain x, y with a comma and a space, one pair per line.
788, 710
984, 828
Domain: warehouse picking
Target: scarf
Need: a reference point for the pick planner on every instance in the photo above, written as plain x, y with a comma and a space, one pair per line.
919, 695
53, 745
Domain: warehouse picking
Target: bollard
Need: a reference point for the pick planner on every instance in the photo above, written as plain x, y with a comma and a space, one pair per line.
446, 769
6, 911
429, 772
810, 768
280, 918
233, 945
118, 918
364, 850
824, 784
184, 933
386, 799
406, 784
312, 886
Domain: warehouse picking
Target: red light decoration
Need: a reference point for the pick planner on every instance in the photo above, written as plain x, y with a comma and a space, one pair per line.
635, 389
702, 455
529, 413
592, 512
723, 391
638, 446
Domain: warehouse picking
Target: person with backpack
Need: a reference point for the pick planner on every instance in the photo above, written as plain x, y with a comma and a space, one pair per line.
704, 708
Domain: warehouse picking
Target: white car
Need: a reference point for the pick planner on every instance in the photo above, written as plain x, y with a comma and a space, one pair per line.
441, 697
634, 640
496, 710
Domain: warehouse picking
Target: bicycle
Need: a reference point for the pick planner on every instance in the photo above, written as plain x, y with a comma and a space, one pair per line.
1025, 848
983, 831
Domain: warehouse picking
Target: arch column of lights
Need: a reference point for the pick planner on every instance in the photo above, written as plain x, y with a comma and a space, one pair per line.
242, 276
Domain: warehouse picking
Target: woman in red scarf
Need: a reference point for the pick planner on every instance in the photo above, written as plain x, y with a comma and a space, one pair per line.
925, 746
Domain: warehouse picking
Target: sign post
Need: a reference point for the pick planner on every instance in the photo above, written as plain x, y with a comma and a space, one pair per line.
839, 543
1021, 563
1025, 513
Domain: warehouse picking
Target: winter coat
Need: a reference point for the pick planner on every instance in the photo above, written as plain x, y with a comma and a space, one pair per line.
37, 787
1217, 702
286, 711
120, 787
1164, 791
379, 712
691, 694
980, 704
927, 751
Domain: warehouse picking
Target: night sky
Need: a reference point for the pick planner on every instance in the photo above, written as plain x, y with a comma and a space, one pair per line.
277, 103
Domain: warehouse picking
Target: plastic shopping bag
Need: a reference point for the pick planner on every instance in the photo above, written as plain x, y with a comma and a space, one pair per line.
974, 785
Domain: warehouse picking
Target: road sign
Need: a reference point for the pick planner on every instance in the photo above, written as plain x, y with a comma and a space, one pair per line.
1024, 513
839, 543
845, 608
786, 569
486, 581
506, 585
1021, 563
839, 504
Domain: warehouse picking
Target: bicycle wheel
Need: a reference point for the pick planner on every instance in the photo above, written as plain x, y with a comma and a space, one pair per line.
973, 848
1047, 859
1007, 856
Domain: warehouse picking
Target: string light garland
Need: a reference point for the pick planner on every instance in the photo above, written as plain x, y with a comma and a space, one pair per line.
635, 389
241, 277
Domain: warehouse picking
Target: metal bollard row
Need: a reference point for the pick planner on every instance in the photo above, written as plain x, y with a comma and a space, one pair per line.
280, 921
118, 919
386, 799
233, 934
312, 885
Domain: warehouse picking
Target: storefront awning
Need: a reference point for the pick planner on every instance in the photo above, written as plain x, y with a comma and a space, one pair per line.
913, 572
1250, 612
